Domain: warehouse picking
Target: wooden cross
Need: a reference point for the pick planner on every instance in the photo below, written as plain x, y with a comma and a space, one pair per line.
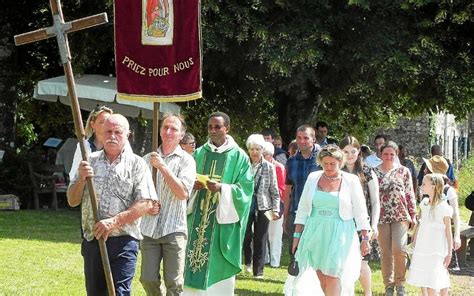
60, 29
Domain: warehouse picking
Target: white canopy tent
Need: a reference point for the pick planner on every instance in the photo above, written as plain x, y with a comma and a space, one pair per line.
96, 90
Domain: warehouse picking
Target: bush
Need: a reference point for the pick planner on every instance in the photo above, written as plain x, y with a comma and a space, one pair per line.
466, 185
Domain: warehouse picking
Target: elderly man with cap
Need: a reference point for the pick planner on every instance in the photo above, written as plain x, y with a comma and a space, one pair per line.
438, 164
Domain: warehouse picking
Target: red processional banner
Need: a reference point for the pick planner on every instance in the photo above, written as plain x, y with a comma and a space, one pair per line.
158, 50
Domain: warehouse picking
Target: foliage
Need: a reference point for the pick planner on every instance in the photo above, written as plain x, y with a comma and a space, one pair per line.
465, 177
356, 64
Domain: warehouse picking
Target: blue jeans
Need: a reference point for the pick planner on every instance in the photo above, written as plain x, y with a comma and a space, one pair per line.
122, 252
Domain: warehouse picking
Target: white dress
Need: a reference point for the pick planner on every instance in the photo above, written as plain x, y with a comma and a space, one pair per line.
426, 268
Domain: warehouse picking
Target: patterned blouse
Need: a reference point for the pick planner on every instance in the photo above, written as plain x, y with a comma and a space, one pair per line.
397, 199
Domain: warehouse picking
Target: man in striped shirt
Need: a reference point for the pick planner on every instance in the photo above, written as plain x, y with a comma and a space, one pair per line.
165, 234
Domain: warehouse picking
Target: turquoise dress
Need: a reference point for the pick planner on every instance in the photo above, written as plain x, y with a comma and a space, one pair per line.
327, 239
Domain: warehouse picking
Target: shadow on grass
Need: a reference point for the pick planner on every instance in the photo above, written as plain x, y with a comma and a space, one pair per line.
250, 292
264, 280
54, 226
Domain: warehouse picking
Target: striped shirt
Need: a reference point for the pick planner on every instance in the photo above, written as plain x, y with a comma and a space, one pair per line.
172, 216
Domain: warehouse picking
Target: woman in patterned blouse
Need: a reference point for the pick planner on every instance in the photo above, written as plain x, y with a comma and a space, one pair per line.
354, 164
397, 214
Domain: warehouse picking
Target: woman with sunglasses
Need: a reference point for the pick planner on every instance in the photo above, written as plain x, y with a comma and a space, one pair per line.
188, 143
325, 237
94, 130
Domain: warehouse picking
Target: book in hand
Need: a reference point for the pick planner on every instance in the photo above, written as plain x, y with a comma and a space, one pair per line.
269, 215
203, 179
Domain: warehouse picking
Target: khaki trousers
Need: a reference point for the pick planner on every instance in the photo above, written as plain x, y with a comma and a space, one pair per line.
171, 250
392, 240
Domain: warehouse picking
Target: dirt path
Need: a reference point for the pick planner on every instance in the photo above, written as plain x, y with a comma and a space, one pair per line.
462, 282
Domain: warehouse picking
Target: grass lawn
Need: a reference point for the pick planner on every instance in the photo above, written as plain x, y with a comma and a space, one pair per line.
40, 255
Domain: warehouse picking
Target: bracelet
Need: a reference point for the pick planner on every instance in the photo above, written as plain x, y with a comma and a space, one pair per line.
297, 234
365, 237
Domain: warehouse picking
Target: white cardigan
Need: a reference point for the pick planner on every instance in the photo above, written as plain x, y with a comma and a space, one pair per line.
351, 200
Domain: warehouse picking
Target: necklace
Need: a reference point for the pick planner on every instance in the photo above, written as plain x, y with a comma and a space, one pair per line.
332, 178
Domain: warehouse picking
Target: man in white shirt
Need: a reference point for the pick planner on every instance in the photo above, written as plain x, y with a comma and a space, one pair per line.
374, 160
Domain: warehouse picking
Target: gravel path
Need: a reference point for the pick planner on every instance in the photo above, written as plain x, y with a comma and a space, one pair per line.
462, 281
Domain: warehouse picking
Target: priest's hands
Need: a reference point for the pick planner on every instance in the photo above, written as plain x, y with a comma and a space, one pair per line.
198, 185
214, 186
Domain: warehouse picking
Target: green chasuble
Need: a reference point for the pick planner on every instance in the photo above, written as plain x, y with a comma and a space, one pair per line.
214, 251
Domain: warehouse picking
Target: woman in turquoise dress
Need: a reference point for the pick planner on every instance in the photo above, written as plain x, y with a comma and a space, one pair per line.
325, 236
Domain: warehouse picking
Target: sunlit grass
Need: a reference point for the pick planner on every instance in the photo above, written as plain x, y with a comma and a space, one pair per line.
40, 255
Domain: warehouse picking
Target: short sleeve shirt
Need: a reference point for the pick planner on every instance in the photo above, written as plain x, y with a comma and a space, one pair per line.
172, 216
118, 185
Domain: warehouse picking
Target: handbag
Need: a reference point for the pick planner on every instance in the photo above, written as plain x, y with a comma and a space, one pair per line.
293, 268
469, 201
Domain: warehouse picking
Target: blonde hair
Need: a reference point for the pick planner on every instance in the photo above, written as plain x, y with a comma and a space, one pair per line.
437, 180
93, 116
332, 151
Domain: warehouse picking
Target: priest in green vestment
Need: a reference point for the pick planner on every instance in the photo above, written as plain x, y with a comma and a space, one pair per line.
217, 212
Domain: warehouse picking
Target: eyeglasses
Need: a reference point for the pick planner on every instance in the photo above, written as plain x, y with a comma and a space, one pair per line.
190, 143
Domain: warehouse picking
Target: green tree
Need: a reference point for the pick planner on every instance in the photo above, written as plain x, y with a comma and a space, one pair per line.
355, 64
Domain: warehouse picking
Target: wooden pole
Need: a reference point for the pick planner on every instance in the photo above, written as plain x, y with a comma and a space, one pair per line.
155, 133
60, 30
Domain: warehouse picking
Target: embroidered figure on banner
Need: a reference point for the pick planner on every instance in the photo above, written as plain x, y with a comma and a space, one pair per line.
157, 22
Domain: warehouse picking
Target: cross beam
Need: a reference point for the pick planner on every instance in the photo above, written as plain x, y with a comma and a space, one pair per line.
60, 29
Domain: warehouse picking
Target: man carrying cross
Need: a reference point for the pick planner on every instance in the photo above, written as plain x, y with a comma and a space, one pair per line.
125, 192
217, 212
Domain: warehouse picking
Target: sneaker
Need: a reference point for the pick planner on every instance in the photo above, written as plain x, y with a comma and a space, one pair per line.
259, 277
248, 268
400, 291
456, 268
389, 291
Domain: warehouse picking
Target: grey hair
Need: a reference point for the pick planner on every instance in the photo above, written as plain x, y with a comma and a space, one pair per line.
268, 148
255, 139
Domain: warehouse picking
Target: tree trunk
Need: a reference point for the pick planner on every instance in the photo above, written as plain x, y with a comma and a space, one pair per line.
8, 96
296, 108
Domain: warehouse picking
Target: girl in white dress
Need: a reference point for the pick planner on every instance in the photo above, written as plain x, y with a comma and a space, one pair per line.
432, 240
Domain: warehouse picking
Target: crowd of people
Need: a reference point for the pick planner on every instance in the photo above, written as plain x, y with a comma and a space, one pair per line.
213, 211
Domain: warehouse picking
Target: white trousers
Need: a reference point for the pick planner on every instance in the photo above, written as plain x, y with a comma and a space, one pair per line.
274, 244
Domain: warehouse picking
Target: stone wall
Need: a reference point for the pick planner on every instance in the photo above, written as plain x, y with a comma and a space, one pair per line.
414, 134
454, 135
